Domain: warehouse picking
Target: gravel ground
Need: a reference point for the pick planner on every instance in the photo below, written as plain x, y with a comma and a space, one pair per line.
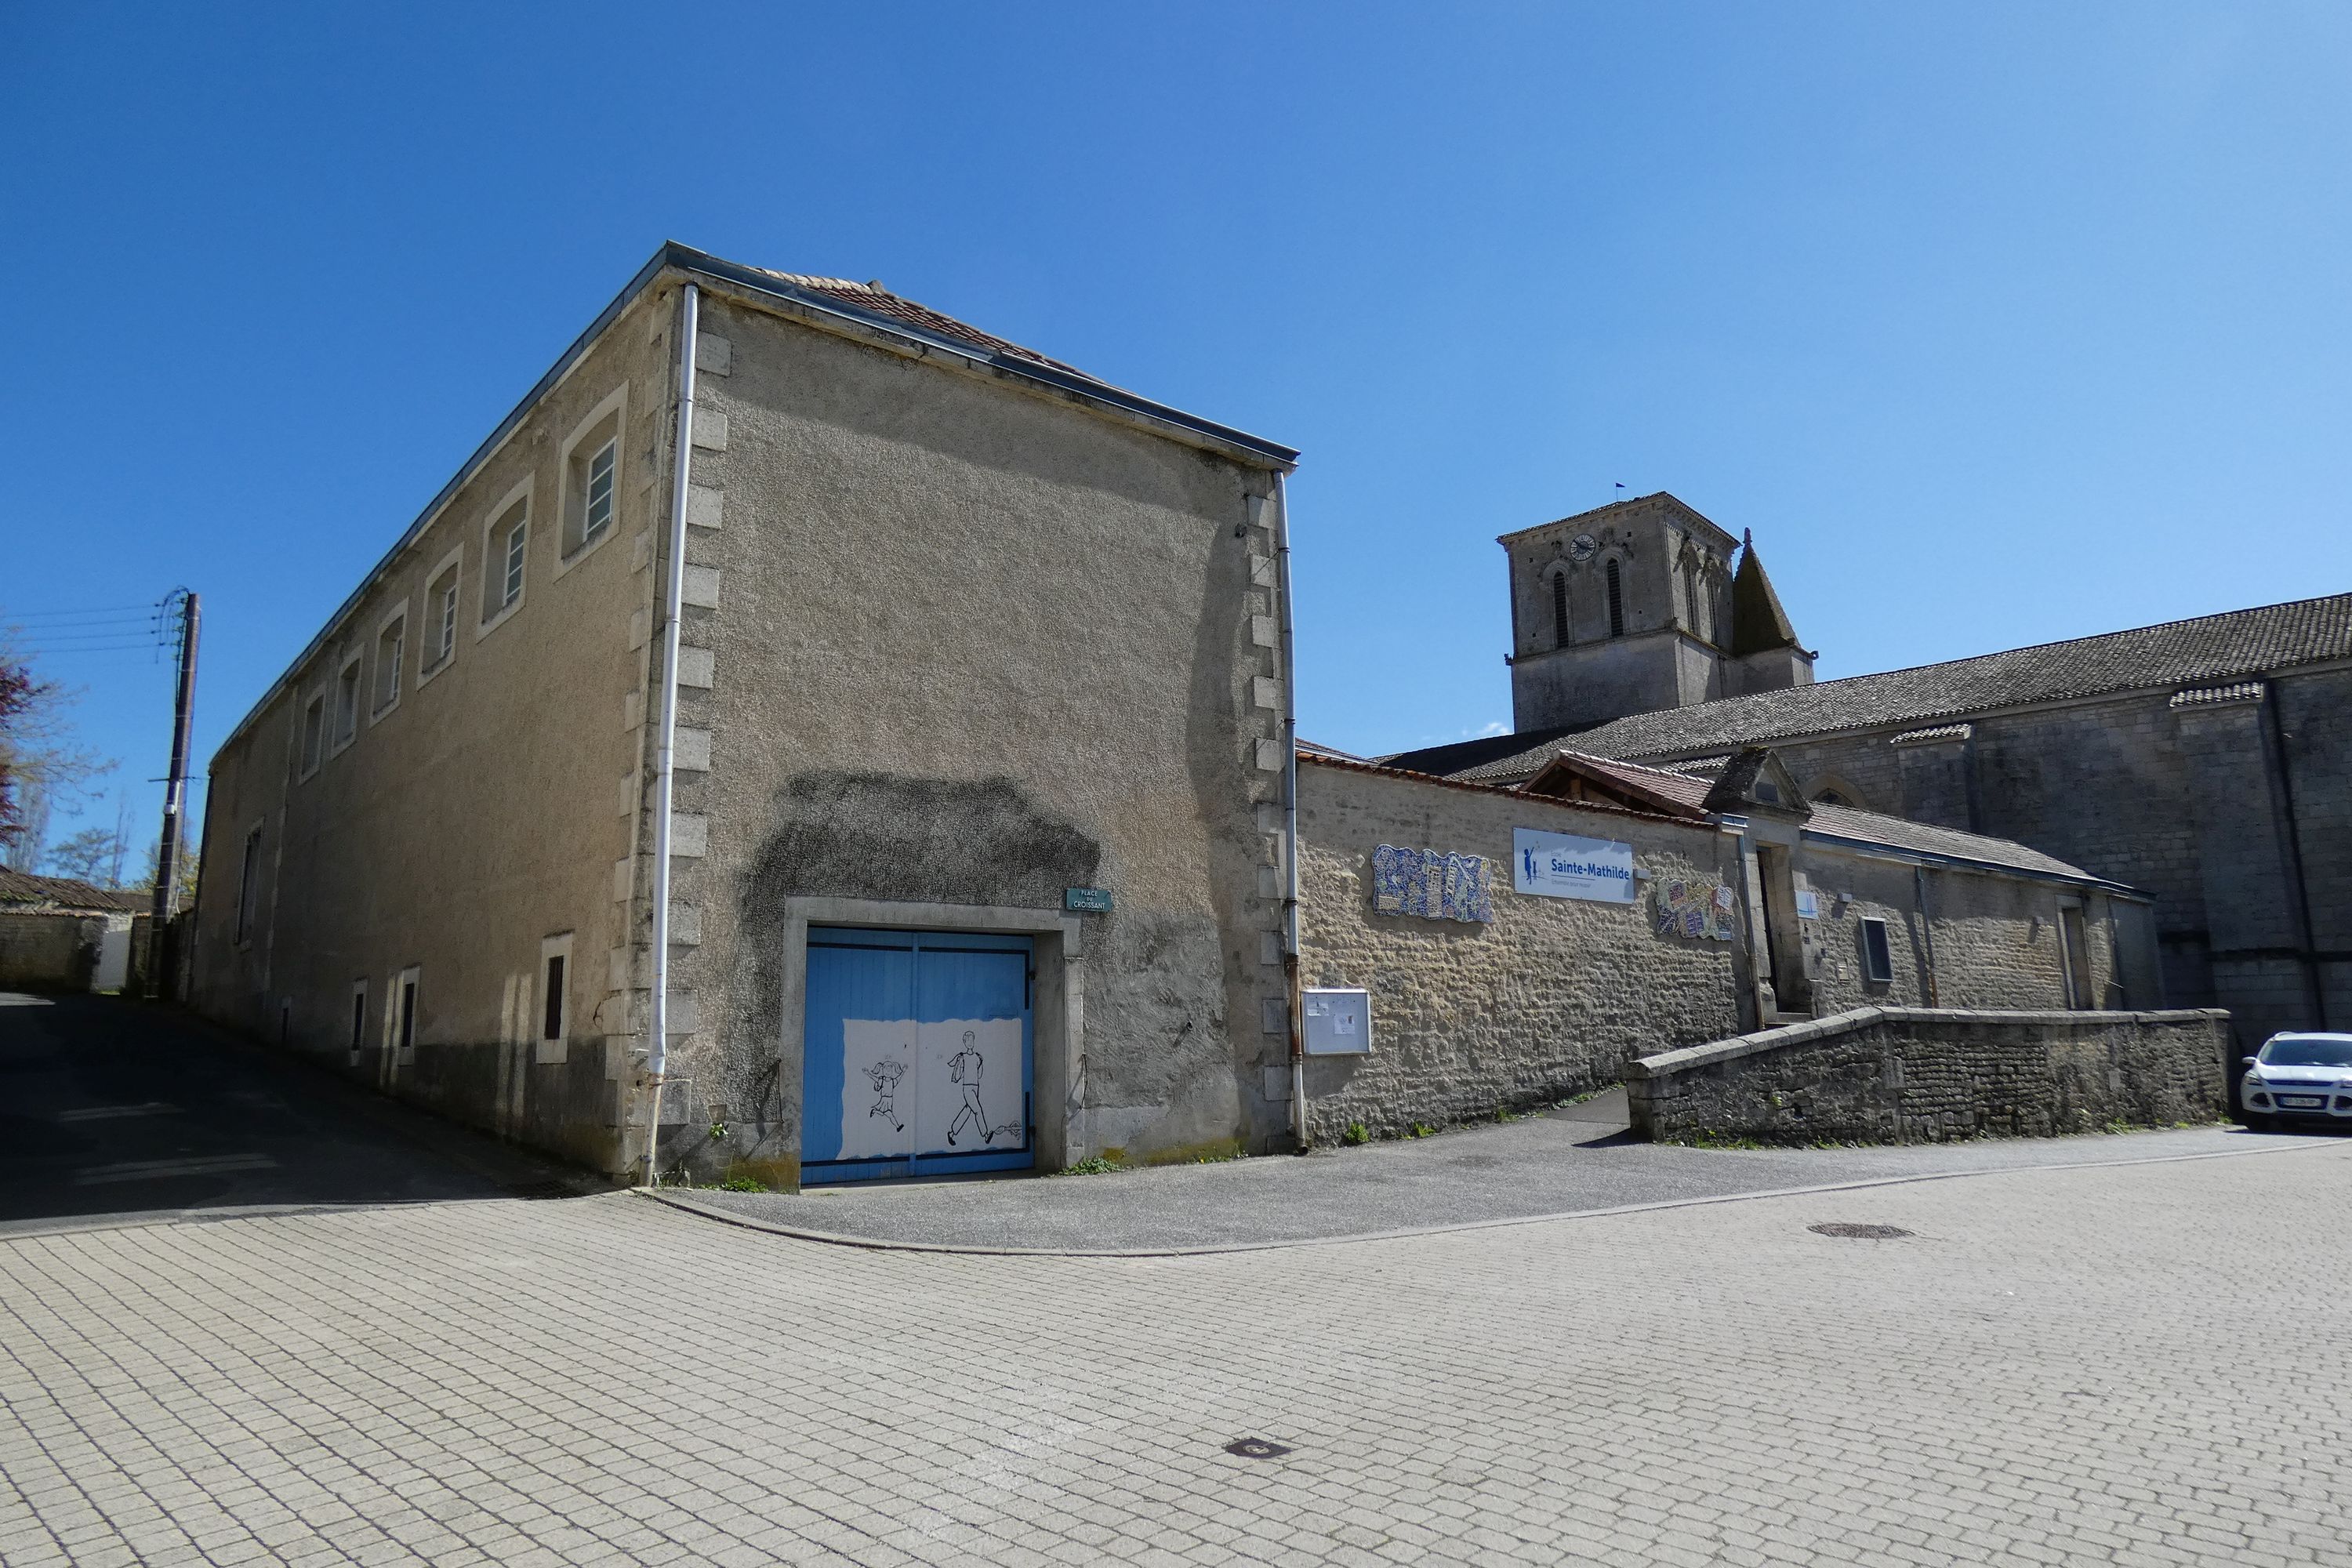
1569, 1161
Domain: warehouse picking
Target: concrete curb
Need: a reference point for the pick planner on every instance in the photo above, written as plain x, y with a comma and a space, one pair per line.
874, 1244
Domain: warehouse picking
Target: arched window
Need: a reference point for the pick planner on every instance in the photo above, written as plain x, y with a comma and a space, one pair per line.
1559, 609
1831, 797
1616, 602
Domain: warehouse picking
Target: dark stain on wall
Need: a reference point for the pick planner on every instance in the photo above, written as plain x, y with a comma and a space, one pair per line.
881, 835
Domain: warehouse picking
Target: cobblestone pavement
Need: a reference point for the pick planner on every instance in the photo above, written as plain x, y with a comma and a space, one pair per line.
2139, 1365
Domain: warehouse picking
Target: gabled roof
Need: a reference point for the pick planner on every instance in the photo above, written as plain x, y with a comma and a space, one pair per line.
2205, 652
64, 895
1844, 824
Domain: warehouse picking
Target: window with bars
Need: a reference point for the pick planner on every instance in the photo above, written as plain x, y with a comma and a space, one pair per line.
1616, 600
1559, 609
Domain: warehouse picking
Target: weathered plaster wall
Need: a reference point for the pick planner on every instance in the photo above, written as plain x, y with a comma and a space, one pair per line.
1556, 995
482, 812
1900, 1075
966, 644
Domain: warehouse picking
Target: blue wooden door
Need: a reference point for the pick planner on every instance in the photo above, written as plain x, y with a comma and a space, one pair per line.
918, 1049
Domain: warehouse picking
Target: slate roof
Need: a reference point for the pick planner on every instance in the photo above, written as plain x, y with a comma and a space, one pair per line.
1868, 826
874, 299
2207, 650
22, 889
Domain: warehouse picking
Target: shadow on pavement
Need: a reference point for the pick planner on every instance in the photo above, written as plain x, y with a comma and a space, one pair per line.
120, 1111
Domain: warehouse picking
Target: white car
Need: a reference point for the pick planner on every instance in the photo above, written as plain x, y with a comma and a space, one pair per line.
2299, 1077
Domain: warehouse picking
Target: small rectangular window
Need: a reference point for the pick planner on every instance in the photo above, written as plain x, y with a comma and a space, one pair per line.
389, 643
505, 549
555, 996
437, 638
314, 732
592, 476
600, 487
347, 702
513, 590
1877, 958
551, 1026
249, 885
359, 1017
404, 1035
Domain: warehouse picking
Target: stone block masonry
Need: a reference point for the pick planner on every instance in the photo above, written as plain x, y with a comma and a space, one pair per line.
1918, 1075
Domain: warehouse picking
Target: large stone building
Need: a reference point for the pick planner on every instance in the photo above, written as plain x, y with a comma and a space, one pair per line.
2206, 761
975, 699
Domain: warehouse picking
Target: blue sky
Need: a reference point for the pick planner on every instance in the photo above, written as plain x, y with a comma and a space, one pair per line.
1997, 323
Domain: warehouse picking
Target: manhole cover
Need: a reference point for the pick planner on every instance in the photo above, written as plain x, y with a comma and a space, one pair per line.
1254, 1448
1859, 1232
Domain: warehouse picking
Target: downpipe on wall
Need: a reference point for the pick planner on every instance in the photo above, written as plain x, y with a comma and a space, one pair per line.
689, 322
1293, 1000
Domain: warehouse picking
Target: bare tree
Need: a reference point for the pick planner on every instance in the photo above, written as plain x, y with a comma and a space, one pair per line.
42, 770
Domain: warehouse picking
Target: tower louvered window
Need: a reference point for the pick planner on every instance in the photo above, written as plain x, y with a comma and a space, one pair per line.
1616, 602
1559, 609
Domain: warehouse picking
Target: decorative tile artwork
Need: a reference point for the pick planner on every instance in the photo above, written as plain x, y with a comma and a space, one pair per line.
1696, 909
1433, 886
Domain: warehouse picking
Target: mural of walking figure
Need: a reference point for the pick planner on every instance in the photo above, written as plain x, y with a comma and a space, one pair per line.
884, 1076
964, 1070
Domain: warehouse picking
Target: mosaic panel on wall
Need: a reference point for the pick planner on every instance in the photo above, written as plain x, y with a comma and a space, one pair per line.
1432, 884
1696, 909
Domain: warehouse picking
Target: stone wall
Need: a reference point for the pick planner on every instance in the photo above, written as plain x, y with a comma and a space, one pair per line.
48, 952
2217, 809
1552, 997
1913, 1075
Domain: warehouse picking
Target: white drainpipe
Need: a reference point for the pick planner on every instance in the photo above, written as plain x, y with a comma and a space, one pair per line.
1293, 1000
689, 316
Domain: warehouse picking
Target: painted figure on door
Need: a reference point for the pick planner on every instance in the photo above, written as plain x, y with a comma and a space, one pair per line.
884, 1076
964, 1071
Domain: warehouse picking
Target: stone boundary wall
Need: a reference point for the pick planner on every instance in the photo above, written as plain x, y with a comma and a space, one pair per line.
1920, 1075
49, 951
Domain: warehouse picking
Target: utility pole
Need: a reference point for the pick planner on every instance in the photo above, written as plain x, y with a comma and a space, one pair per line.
175, 790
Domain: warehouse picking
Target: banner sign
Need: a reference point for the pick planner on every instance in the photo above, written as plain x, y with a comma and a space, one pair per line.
1563, 866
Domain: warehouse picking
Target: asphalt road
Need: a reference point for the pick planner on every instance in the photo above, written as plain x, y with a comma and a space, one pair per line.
114, 1112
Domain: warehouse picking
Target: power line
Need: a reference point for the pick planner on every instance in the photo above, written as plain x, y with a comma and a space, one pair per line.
155, 608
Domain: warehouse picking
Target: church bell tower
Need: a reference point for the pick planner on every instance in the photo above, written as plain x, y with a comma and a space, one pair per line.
1634, 607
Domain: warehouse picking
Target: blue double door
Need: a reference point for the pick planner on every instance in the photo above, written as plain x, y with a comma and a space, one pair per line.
918, 1053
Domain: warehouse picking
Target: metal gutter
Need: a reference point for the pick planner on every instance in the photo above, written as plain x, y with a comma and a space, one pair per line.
1293, 1000
690, 321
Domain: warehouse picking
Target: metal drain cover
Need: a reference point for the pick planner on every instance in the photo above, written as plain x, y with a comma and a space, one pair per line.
1859, 1232
1254, 1448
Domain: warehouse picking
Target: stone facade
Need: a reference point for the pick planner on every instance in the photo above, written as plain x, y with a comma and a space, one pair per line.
1555, 996
2232, 805
962, 629
1552, 997
1908, 1075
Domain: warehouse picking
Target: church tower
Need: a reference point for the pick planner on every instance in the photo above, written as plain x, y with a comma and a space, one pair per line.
1634, 607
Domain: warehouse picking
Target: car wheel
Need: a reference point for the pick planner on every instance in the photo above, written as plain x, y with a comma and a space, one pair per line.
2256, 1122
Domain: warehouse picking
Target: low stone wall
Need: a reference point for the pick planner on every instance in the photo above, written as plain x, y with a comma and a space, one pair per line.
1917, 1075
48, 952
